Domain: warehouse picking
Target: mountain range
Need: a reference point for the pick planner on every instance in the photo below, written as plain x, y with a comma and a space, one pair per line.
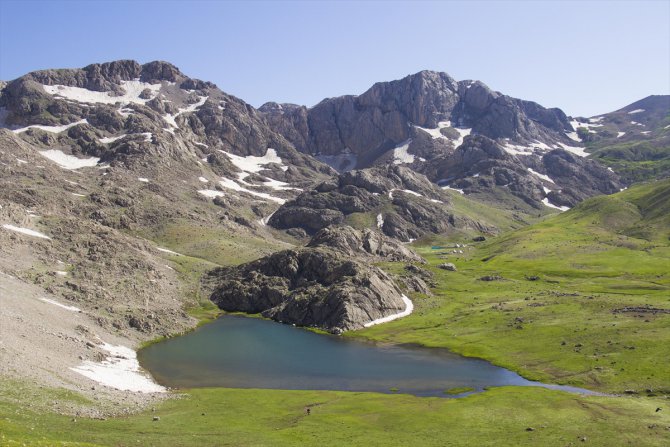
135, 193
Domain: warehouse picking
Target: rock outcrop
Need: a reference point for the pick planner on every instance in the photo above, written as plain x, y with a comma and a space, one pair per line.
365, 243
369, 125
315, 287
400, 202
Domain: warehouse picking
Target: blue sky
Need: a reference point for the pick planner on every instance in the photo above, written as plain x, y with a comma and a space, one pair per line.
586, 57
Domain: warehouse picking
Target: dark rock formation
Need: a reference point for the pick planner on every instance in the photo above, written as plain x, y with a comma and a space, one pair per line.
315, 287
406, 205
381, 118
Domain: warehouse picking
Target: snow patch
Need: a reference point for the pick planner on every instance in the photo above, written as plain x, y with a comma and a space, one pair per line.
633, 112
52, 129
211, 193
575, 150
170, 119
409, 191
143, 179
120, 370
203, 179
435, 133
452, 189
63, 306
230, 184
409, 307
542, 176
551, 205
26, 231
380, 221
107, 140
252, 163
400, 154
133, 89
67, 161
620, 134
635, 123
165, 250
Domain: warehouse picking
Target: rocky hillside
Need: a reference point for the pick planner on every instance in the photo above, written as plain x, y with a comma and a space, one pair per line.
401, 203
422, 120
102, 165
634, 140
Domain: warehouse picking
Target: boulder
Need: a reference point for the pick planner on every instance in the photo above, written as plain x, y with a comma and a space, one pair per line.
314, 286
448, 266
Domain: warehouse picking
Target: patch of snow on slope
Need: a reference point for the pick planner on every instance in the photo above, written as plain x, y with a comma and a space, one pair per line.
165, 250
211, 193
551, 205
409, 307
380, 220
635, 123
203, 179
26, 231
170, 119
596, 119
56, 303
230, 184
143, 179
107, 140
253, 164
575, 150
542, 176
67, 161
435, 133
452, 189
278, 185
573, 136
546, 190
147, 136
409, 191
620, 134
400, 154
575, 124
133, 89
632, 112
52, 129
463, 133
120, 370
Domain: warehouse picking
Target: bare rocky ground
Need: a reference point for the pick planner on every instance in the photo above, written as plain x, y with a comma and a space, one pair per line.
94, 259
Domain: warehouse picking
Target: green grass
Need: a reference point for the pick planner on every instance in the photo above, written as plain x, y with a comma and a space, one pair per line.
560, 328
214, 244
606, 254
221, 417
459, 390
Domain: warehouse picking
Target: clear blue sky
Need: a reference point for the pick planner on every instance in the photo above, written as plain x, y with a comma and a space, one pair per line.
586, 57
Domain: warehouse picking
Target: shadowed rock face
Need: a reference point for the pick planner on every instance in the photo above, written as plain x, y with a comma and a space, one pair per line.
381, 118
315, 287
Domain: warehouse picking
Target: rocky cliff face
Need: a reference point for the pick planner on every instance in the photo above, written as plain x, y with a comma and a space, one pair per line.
554, 178
316, 287
400, 202
634, 140
385, 116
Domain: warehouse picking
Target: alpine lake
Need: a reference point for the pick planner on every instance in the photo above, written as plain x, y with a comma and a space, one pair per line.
241, 352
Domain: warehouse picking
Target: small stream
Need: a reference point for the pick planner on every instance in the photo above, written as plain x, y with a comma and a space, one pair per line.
242, 352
